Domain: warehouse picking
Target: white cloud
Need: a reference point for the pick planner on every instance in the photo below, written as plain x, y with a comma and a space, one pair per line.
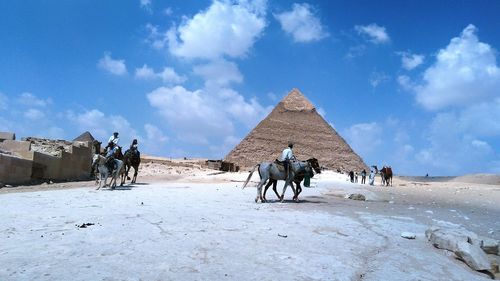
405, 82
465, 72
116, 67
410, 61
102, 126
146, 5
302, 23
155, 140
376, 78
481, 119
364, 138
28, 99
168, 11
377, 34
198, 116
453, 150
157, 39
34, 114
229, 143
224, 29
168, 75
220, 73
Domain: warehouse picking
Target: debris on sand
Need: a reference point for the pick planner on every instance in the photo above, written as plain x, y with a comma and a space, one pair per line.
357, 196
467, 246
84, 225
282, 235
408, 235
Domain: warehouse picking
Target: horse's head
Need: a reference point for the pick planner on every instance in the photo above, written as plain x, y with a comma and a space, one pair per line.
118, 153
97, 159
314, 164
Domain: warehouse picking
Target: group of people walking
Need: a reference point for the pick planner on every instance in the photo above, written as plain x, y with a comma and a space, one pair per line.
353, 177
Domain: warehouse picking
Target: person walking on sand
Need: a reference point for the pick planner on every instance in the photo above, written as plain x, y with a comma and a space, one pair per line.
372, 177
363, 177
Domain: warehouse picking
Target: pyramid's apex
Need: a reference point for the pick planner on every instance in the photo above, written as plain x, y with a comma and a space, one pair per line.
296, 101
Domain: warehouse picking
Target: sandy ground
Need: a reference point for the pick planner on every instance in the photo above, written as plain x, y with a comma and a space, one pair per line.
186, 223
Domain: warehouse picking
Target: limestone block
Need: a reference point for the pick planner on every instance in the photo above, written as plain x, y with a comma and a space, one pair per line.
7, 136
14, 170
448, 239
489, 246
473, 256
445, 240
15, 146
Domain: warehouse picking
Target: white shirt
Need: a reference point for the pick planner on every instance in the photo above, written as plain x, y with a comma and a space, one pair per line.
287, 154
112, 151
114, 140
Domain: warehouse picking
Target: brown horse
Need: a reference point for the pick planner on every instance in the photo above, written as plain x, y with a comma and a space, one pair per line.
131, 159
297, 180
386, 174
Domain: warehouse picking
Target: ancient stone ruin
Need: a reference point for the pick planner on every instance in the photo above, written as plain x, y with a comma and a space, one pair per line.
296, 119
36, 159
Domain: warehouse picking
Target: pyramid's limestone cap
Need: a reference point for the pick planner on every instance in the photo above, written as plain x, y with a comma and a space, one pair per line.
296, 101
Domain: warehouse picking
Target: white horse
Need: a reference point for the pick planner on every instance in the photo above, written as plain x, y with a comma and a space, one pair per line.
100, 161
269, 170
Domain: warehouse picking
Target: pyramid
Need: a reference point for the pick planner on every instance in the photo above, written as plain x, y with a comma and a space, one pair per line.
295, 119
87, 136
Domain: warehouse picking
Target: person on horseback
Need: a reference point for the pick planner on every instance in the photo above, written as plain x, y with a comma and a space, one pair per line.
286, 157
113, 141
110, 156
134, 146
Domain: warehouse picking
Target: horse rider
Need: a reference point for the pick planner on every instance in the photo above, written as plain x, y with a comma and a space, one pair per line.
114, 139
134, 148
110, 156
286, 157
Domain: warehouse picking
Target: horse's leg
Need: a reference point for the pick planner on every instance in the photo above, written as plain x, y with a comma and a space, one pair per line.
127, 169
287, 182
265, 189
274, 189
294, 191
259, 190
299, 190
136, 171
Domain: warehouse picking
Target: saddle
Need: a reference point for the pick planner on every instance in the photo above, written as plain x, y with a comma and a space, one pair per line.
280, 165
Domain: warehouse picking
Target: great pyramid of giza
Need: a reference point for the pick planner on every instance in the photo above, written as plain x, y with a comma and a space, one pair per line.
295, 119
86, 136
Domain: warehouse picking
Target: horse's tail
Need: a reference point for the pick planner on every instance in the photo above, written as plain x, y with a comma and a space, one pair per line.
249, 176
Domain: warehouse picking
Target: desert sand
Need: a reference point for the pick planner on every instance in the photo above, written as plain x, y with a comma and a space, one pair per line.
184, 222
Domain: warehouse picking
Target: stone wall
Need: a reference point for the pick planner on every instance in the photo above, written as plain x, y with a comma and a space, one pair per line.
14, 170
44, 159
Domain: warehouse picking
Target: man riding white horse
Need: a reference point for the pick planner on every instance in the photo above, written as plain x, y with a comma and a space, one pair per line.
110, 156
286, 157
113, 141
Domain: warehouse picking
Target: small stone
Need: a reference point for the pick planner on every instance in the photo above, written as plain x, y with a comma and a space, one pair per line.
357, 196
408, 235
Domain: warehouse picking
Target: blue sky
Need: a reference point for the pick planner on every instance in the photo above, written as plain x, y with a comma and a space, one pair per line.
412, 84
